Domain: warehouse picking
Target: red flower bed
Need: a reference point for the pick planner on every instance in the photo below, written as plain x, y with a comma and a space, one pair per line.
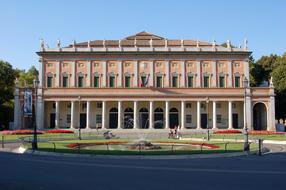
76, 145
265, 133
59, 131
230, 131
20, 132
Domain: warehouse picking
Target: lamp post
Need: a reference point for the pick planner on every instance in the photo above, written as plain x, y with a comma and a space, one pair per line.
208, 131
246, 144
79, 127
35, 141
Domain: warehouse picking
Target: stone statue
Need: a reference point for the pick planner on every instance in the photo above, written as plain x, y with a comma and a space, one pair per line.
42, 44
271, 82
245, 44
59, 44
198, 44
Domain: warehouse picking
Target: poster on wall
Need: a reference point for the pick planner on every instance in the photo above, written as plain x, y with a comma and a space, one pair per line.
28, 102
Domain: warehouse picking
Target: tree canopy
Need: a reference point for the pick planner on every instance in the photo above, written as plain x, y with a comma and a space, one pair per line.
7, 77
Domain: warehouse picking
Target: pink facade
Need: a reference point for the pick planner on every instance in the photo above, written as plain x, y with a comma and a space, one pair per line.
147, 82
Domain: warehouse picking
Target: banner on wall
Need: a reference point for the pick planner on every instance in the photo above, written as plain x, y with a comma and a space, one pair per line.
28, 101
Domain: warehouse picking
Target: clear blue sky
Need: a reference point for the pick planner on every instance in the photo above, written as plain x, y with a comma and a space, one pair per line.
24, 23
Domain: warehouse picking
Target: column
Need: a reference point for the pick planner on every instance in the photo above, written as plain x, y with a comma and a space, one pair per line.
103, 114
229, 74
271, 114
17, 111
183, 106
73, 79
214, 78
246, 69
151, 74
230, 115
72, 114
40, 112
214, 115
120, 74
135, 123
58, 76
57, 122
198, 81
198, 115
88, 114
167, 73
135, 74
88, 81
119, 114
41, 73
167, 103
151, 114
104, 70
248, 109
183, 71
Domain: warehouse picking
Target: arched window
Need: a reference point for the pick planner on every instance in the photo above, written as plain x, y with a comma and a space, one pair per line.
50, 80
127, 80
80, 81
159, 80
65, 79
190, 80
206, 80
221, 80
175, 79
237, 79
96, 79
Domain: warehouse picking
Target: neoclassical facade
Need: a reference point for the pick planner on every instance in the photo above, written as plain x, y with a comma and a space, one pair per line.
145, 81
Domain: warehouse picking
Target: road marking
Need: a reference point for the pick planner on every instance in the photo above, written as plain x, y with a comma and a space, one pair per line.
160, 168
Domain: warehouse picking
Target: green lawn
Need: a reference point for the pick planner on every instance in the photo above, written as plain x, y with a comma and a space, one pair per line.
61, 146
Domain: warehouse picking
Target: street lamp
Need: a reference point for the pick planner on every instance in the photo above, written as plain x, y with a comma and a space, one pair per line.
79, 127
208, 131
246, 144
35, 141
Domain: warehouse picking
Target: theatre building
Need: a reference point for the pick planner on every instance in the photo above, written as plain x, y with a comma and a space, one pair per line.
147, 82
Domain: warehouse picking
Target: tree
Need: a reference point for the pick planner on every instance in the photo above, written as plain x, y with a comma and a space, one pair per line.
26, 78
7, 77
266, 65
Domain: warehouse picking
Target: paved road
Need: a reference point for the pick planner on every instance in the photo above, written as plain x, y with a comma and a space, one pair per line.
47, 172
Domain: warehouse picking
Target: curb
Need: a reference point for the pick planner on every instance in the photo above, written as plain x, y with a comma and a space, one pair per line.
163, 157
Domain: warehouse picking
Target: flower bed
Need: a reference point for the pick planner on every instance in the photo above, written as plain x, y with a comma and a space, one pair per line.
76, 145
265, 133
20, 132
230, 131
59, 131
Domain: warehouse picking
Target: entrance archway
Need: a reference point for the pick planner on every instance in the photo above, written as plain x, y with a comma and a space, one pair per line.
173, 118
158, 118
128, 118
259, 117
113, 118
143, 118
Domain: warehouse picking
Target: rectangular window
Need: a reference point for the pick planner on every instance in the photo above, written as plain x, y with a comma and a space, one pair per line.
188, 119
127, 81
80, 81
143, 81
190, 81
174, 81
159, 81
218, 119
50, 81
98, 119
83, 105
221, 81
111, 81
68, 118
96, 81
99, 105
206, 81
237, 81
65, 81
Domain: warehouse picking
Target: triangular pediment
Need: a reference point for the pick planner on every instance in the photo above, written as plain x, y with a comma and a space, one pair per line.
144, 36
